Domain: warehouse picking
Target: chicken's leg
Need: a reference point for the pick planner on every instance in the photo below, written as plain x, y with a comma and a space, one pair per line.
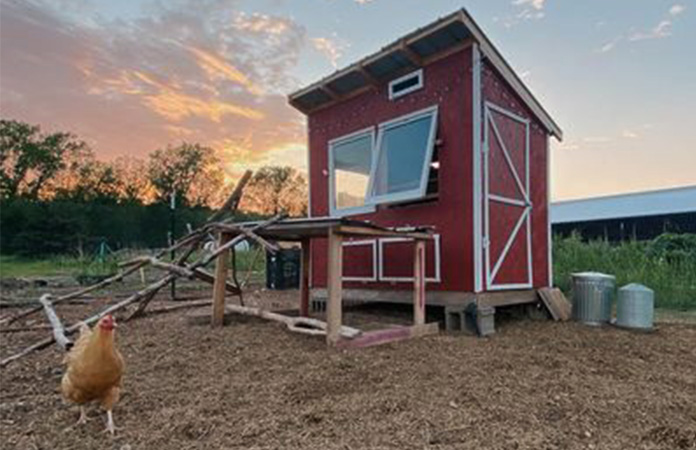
110, 422
83, 416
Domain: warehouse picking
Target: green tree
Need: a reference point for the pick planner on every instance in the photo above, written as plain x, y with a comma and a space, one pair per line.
193, 171
29, 159
273, 189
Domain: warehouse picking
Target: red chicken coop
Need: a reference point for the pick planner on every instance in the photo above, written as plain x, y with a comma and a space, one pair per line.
434, 130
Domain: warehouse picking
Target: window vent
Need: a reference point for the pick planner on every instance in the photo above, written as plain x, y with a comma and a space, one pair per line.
406, 84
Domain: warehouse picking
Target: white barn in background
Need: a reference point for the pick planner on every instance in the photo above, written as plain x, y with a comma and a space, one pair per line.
639, 215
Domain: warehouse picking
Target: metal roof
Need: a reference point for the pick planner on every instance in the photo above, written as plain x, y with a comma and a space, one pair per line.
638, 204
417, 49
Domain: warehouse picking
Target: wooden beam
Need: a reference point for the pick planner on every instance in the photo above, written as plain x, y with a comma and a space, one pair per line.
331, 93
335, 272
349, 230
450, 51
388, 335
220, 284
419, 283
410, 54
374, 82
304, 279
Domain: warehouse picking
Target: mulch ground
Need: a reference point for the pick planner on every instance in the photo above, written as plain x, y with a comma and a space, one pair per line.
251, 384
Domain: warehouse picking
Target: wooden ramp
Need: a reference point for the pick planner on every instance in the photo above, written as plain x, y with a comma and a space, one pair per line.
556, 303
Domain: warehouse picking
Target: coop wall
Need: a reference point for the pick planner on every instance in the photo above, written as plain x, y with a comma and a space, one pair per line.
387, 264
496, 90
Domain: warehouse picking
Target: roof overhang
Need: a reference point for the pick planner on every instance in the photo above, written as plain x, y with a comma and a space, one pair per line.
424, 46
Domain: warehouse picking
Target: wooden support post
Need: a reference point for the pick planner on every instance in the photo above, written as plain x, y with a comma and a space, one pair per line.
220, 283
304, 279
334, 288
419, 283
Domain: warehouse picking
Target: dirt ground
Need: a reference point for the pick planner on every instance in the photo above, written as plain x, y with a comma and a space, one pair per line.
251, 384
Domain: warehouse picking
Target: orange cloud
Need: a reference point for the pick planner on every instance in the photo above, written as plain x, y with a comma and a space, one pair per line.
217, 68
175, 106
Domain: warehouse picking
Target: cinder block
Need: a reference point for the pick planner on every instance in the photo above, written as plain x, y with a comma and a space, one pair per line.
485, 320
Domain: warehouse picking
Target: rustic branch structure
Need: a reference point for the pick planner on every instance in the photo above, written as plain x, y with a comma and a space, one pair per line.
263, 233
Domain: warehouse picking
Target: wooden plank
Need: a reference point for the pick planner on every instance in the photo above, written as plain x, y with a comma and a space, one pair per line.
304, 279
557, 304
419, 283
351, 230
335, 272
219, 285
388, 335
505, 298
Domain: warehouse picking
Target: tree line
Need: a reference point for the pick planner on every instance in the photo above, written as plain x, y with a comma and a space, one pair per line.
56, 196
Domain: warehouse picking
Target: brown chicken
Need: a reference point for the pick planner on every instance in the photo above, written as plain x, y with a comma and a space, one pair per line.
94, 369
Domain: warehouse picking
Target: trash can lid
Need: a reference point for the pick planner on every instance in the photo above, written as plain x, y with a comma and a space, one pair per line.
636, 287
593, 275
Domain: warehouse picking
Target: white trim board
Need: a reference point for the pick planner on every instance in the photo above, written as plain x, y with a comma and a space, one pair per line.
436, 245
477, 179
524, 189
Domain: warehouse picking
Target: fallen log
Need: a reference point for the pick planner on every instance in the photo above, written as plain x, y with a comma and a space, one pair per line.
58, 330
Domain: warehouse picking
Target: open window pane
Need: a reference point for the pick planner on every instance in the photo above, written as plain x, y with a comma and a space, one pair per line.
352, 162
403, 158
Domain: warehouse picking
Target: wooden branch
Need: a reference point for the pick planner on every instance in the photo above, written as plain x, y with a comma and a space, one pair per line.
29, 328
90, 320
232, 201
232, 242
180, 305
303, 325
73, 295
232, 229
58, 330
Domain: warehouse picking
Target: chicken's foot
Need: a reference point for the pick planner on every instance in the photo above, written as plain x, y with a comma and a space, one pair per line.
110, 423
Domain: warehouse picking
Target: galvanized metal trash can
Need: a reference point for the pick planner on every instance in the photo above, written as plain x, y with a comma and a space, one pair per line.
635, 307
593, 293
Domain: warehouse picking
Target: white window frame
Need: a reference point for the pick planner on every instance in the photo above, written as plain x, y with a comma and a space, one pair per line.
366, 208
436, 246
413, 194
394, 95
372, 243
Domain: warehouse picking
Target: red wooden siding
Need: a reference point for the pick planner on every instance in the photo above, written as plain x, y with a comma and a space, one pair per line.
396, 258
447, 83
359, 259
495, 90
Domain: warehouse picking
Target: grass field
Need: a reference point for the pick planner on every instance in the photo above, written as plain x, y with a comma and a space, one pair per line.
11, 266
667, 265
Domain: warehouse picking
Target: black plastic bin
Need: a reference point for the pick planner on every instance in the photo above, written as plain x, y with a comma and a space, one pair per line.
283, 269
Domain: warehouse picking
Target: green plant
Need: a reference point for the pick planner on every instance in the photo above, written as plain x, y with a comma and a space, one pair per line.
664, 265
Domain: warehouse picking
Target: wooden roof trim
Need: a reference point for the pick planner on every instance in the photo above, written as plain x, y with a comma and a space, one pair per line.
487, 49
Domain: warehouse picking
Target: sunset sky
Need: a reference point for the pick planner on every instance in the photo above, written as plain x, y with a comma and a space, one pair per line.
129, 76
